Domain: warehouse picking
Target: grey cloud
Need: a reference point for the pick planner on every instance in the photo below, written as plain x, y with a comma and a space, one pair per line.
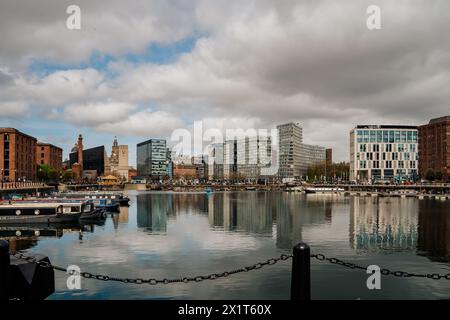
312, 61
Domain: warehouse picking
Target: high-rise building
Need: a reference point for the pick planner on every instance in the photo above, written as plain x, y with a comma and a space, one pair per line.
434, 147
215, 161
17, 155
230, 160
311, 155
49, 154
253, 154
290, 139
152, 158
383, 152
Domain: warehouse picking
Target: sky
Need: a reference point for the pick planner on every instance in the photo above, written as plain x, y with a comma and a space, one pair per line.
141, 69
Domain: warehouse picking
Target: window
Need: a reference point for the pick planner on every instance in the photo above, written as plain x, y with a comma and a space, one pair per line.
397, 136
386, 136
379, 136
391, 136
373, 136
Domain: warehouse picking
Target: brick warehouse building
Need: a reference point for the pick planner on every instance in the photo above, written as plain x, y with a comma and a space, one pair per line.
49, 154
434, 147
17, 155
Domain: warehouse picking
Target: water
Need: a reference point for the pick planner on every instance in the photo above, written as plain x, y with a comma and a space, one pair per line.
170, 235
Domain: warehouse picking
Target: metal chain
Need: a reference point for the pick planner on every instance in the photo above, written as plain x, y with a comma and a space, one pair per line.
213, 276
152, 281
384, 271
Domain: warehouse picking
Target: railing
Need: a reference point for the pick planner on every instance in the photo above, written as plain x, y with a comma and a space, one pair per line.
20, 185
13, 286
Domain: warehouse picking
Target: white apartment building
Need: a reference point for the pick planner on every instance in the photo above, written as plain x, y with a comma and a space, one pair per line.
383, 152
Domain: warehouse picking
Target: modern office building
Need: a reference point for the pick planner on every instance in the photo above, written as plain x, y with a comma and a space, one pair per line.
434, 148
253, 154
152, 158
94, 161
290, 139
17, 155
230, 160
311, 155
215, 161
49, 154
383, 152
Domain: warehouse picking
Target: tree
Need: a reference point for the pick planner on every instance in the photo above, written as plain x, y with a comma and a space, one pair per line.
68, 175
438, 175
430, 175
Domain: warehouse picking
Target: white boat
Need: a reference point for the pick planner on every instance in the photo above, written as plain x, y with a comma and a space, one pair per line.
323, 190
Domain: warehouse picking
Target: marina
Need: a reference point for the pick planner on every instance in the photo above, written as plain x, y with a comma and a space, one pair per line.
168, 234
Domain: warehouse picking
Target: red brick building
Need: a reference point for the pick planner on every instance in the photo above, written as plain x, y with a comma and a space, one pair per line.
49, 154
434, 147
329, 156
17, 155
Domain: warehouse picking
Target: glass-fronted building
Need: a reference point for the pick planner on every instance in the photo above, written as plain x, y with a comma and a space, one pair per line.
383, 152
152, 158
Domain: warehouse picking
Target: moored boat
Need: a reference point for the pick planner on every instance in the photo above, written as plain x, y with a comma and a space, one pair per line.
42, 212
323, 190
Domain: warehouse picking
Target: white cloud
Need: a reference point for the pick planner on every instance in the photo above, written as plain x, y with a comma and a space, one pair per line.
13, 109
97, 113
144, 123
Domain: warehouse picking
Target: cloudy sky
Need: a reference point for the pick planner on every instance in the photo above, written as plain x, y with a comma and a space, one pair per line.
140, 69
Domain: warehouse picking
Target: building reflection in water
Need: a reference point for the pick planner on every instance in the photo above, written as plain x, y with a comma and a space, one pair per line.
294, 212
383, 223
434, 230
247, 211
257, 212
153, 210
120, 217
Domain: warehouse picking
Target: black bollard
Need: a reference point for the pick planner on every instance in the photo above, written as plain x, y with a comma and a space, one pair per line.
4, 270
29, 280
301, 273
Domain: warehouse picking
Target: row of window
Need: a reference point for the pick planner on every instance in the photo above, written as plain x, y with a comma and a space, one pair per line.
388, 164
392, 136
386, 156
401, 147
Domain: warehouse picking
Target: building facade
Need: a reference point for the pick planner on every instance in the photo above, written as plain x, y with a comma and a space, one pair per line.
49, 154
118, 161
94, 161
215, 161
152, 158
230, 160
253, 155
434, 148
17, 155
311, 155
383, 152
290, 139
329, 156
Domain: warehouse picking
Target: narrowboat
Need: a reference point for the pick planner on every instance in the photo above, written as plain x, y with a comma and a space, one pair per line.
43, 212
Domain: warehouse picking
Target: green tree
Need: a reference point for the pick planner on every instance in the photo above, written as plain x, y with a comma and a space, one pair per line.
438, 175
430, 175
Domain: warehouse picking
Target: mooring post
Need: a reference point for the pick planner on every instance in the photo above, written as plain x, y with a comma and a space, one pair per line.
301, 273
4, 270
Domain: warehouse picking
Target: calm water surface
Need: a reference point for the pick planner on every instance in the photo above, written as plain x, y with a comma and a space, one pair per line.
171, 235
